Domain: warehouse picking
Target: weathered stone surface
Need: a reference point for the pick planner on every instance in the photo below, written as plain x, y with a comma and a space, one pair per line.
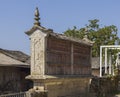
63, 87
104, 86
36, 93
37, 53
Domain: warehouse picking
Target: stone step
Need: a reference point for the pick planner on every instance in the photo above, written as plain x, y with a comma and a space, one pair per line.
117, 95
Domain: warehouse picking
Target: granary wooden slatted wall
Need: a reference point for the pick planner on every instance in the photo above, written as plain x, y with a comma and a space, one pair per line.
67, 58
58, 56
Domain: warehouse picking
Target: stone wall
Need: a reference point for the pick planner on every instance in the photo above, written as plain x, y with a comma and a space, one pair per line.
104, 86
67, 87
95, 72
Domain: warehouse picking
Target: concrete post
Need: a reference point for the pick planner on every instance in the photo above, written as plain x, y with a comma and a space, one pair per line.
100, 61
110, 64
105, 60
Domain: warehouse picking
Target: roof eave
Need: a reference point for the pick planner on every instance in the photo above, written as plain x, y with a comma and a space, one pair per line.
35, 27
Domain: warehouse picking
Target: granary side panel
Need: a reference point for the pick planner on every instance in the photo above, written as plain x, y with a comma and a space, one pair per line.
58, 56
67, 58
81, 59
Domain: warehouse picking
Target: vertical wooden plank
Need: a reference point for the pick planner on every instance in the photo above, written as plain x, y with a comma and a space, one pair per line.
72, 58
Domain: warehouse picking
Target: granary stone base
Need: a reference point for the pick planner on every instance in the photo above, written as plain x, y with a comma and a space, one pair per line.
36, 93
63, 86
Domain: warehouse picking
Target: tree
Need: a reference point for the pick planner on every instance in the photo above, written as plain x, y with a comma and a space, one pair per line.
106, 35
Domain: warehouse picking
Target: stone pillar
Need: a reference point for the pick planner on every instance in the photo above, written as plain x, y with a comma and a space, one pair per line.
37, 53
37, 75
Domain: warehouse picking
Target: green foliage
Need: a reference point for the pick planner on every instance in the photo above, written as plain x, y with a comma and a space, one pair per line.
106, 35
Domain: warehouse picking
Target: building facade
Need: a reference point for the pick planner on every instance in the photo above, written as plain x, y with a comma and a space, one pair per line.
14, 67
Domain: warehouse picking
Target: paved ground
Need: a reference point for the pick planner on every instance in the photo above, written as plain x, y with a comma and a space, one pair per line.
117, 95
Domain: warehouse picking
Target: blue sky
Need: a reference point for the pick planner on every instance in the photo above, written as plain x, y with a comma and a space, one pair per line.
17, 16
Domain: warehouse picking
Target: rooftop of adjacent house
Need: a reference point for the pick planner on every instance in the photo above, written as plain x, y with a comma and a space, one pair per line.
14, 58
95, 62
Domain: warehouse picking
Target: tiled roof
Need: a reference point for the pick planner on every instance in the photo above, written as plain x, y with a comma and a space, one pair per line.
60, 36
95, 62
10, 57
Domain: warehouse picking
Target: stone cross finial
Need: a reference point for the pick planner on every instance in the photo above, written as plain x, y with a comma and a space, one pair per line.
37, 17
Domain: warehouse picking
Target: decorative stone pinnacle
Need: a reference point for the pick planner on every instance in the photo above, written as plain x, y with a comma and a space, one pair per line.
37, 17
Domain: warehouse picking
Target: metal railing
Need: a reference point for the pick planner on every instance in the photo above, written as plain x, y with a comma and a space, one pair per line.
21, 94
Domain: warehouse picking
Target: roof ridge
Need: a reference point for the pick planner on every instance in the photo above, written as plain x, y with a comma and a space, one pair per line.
18, 55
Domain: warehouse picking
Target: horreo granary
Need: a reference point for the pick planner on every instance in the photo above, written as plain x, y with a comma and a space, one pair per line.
60, 65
